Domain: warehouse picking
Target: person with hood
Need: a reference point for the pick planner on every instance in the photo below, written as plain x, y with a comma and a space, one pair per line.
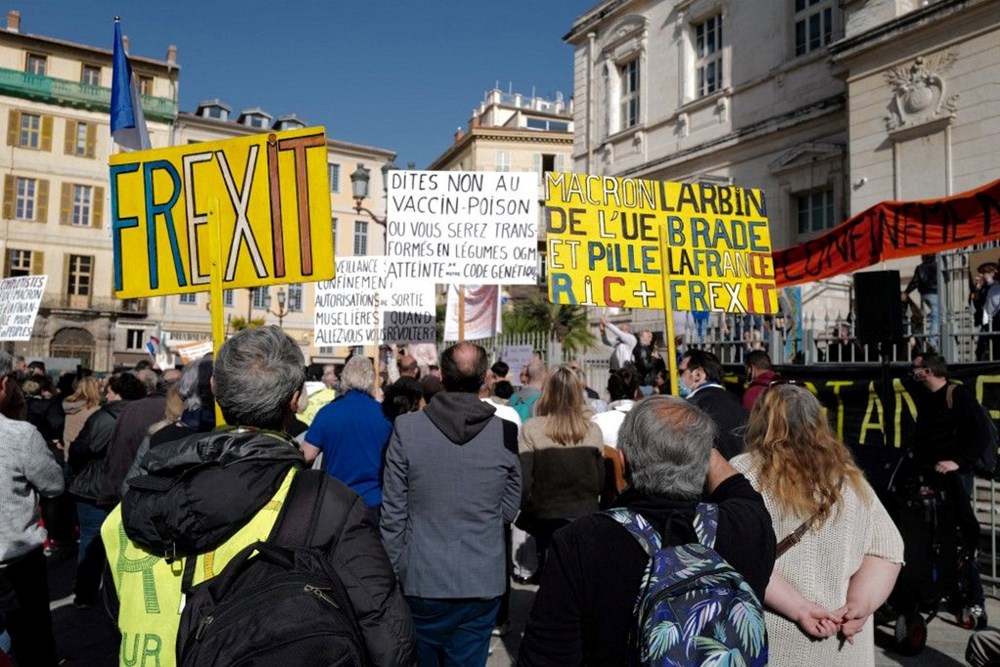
234, 481
87, 460
452, 480
760, 375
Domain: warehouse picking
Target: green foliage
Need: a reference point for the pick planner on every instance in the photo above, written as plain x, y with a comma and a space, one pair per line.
241, 323
563, 323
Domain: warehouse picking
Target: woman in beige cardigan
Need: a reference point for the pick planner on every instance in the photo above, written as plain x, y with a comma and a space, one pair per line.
562, 464
844, 568
83, 402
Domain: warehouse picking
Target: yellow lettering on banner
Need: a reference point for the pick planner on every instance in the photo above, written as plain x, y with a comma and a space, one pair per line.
603, 245
274, 214
870, 423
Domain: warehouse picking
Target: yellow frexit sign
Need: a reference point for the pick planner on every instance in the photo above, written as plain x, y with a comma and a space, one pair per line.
269, 194
630, 243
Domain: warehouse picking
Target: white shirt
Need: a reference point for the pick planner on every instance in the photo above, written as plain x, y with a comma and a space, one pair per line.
609, 422
505, 412
622, 341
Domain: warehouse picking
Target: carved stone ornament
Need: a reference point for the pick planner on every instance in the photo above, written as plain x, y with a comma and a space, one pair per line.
919, 92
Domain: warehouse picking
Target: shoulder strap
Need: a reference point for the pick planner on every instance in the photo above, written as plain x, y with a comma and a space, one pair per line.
312, 513
794, 537
949, 391
637, 525
706, 523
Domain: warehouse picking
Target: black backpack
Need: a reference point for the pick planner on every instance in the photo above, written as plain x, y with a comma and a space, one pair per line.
278, 602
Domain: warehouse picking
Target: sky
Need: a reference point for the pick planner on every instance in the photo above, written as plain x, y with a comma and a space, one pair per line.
392, 74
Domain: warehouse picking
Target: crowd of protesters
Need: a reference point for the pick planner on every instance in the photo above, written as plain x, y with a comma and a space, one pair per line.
451, 485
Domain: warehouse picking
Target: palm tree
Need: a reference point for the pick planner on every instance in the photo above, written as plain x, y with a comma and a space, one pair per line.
561, 322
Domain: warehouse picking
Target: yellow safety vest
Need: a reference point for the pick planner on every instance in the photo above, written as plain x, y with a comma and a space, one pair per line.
149, 588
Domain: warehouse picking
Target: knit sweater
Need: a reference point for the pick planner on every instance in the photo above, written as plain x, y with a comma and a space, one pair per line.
27, 469
821, 566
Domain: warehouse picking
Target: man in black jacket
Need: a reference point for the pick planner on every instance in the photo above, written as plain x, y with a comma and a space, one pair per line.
202, 499
583, 609
701, 375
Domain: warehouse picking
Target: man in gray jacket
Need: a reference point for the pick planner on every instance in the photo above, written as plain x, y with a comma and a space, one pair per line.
28, 469
452, 479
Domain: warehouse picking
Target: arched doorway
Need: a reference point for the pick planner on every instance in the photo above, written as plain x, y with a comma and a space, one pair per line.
75, 344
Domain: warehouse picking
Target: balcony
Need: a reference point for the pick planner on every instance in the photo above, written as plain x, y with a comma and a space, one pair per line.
123, 307
73, 94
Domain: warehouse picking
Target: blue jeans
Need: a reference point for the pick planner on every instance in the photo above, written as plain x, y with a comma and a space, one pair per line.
453, 632
90, 557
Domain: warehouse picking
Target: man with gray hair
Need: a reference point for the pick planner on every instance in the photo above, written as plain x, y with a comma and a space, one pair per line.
352, 432
583, 609
203, 499
28, 469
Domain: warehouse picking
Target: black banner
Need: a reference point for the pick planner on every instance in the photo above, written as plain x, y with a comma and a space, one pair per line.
864, 414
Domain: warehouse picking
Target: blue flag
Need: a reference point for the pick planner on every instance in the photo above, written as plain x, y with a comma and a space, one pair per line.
128, 124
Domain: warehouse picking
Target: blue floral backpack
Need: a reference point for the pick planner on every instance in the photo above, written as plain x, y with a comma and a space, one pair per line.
693, 607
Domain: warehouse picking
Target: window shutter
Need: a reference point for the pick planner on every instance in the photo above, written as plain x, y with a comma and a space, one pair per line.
13, 127
66, 204
69, 140
42, 201
67, 282
8, 197
559, 163
37, 262
46, 133
97, 208
91, 139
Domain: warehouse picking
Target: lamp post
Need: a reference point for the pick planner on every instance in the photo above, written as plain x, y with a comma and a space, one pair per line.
282, 311
360, 180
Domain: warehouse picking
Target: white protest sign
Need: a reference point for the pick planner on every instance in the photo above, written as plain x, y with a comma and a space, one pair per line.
364, 306
517, 357
191, 352
482, 312
463, 227
20, 298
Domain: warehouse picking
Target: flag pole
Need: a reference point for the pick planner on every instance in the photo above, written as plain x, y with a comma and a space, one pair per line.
217, 306
668, 313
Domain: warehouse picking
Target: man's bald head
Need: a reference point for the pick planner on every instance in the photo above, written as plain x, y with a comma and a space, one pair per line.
536, 372
463, 368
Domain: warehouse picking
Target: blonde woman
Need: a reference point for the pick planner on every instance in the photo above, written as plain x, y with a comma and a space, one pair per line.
562, 468
83, 402
844, 568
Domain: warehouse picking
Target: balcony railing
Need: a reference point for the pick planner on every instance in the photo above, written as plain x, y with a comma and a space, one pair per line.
76, 302
74, 94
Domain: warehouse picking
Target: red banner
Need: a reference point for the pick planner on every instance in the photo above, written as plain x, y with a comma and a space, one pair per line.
891, 230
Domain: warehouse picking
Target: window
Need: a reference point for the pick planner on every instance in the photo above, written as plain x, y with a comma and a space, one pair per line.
326, 349
189, 299
80, 274
81, 146
35, 64
261, 297
145, 85
360, 237
334, 177
19, 263
294, 301
90, 75
551, 125
503, 161
82, 205
708, 55
813, 25
257, 120
24, 202
133, 339
227, 298
814, 211
629, 73
31, 130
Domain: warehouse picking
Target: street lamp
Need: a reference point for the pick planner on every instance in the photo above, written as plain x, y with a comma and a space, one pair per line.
282, 311
360, 180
